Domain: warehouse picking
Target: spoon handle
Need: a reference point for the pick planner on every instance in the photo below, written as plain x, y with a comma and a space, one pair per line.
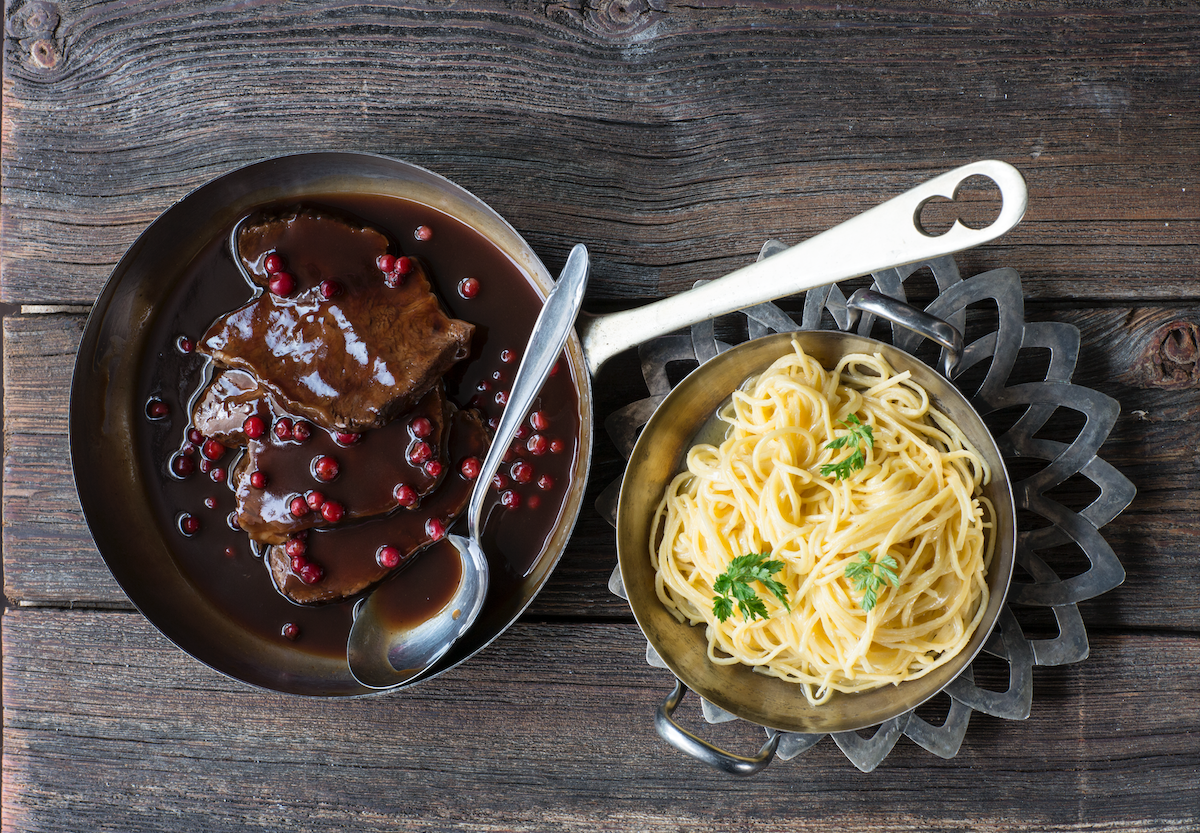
887, 235
546, 342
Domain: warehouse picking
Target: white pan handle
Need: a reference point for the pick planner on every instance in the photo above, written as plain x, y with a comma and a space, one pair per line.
880, 238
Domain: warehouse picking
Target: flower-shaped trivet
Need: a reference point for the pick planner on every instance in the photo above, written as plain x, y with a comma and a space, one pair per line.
991, 367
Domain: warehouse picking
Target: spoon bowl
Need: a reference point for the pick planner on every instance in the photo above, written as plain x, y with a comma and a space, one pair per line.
382, 654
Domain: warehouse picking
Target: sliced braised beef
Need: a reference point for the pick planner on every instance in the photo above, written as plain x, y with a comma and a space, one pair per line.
232, 397
358, 476
343, 559
350, 344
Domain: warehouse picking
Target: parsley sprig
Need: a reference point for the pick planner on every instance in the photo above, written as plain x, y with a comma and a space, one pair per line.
868, 577
861, 436
734, 584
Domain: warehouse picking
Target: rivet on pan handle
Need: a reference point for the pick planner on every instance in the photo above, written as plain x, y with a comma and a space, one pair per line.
909, 317
702, 750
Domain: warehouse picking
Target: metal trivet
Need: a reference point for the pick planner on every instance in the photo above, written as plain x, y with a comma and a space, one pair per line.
1041, 588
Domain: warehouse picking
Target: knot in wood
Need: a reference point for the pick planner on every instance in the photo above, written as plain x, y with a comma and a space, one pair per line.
44, 54
623, 18
1171, 359
36, 20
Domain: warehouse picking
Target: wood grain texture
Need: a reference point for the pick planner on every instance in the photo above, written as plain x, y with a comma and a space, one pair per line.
671, 138
540, 736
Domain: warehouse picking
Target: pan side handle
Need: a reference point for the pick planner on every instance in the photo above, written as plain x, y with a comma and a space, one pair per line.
702, 750
908, 316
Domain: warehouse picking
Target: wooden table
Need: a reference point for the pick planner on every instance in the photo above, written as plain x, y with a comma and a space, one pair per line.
672, 139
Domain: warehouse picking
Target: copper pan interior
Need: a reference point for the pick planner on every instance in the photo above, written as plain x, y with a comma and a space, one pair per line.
659, 455
112, 491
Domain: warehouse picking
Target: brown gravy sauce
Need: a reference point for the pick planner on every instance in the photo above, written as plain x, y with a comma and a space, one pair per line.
219, 560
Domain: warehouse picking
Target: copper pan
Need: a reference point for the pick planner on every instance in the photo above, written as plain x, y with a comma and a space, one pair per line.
773, 703
103, 412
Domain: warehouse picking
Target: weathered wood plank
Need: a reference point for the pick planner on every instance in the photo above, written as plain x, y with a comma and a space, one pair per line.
705, 128
107, 727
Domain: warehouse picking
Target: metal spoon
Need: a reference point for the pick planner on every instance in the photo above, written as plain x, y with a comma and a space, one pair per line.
382, 656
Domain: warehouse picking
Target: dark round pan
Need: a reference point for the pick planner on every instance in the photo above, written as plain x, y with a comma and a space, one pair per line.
103, 413
659, 455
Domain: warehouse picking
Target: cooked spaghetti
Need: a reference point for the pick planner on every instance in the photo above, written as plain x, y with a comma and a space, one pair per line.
915, 504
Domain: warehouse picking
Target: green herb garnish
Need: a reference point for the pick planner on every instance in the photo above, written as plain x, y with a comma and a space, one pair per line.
869, 577
862, 436
734, 583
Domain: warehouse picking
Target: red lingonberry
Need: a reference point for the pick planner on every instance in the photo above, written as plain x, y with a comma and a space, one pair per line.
539, 420
290, 631
282, 284
283, 428
330, 289
521, 471
311, 573
254, 427
510, 499
433, 468
325, 468
295, 546
545, 482
298, 562
387, 556
298, 507
315, 500
499, 482
217, 474
258, 480
194, 436
508, 356
435, 529
538, 444
210, 502
405, 495
423, 233
183, 466
404, 265
184, 345
419, 452
386, 262
273, 263
189, 524
333, 511
346, 438
212, 450
468, 287
556, 446
157, 409
502, 397
301, 431
421, 427
471, 467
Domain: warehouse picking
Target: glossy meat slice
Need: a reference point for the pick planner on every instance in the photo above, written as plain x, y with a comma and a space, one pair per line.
221, 410
346, 555
409, 450
349, 347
